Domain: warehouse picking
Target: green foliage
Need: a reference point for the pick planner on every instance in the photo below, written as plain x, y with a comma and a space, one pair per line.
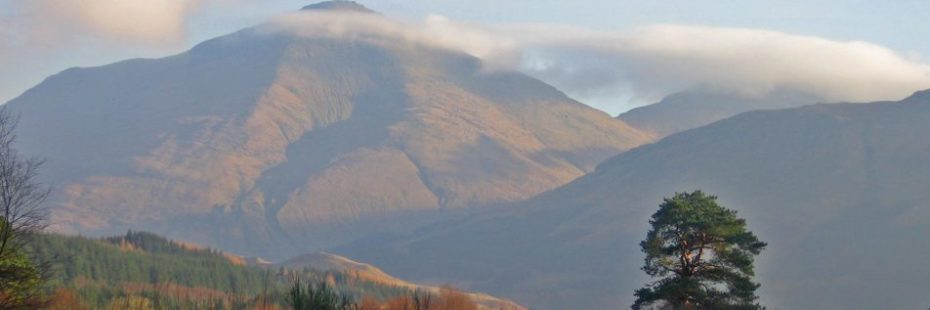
168, 275
20, 281
317, 297
21, 216
703, 255
144, 258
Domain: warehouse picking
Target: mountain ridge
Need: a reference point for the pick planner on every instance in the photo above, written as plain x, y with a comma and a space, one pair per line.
694, 108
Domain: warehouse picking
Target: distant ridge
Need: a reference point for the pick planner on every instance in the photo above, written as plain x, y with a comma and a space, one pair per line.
695, 108
921, 97
338, 5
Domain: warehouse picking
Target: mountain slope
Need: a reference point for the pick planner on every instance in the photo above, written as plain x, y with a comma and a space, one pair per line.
838, 191
275, 142
330, 262
695, 108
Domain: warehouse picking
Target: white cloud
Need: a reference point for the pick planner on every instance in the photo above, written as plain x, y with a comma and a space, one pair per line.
156, 22
435, 31
652, 61
664, 58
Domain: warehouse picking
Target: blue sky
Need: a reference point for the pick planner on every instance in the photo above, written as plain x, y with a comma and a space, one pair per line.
901, 26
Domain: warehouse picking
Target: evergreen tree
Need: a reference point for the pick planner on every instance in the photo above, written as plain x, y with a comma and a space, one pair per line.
702, 254
318, 297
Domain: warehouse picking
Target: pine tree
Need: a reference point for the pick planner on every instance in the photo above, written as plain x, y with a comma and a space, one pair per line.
702, 254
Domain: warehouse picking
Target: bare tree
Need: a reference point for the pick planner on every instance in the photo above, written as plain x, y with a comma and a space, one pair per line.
21, 215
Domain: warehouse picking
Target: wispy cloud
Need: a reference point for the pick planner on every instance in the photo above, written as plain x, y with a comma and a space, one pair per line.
652, 61
658, 59
437, 31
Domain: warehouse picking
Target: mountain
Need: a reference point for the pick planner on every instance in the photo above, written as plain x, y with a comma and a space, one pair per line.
698, 107
338, 5
274, 142
839, 192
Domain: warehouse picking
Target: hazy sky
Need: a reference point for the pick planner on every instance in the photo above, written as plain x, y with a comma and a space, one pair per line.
41, 37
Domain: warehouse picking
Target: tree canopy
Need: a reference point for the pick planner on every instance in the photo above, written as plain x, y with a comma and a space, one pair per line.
702, 255
21, 216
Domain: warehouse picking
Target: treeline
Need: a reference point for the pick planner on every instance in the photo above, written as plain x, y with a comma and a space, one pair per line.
447, 299
144, 271
320, 296
143, 258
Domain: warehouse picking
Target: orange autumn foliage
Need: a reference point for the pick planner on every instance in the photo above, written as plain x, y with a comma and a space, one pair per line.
448, 299
65, 299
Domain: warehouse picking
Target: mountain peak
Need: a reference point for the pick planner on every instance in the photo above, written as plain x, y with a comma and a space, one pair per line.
338, 6
921, 96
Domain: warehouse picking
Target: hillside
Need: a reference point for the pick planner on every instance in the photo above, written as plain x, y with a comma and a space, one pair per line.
368, 273
829, 187
171, 275
177, 275
276, 142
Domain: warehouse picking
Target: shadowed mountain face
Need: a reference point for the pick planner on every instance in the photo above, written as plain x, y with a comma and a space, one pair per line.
695, 108
838, 191
268, 143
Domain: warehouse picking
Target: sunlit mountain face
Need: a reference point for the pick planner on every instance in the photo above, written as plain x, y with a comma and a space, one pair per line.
275, 140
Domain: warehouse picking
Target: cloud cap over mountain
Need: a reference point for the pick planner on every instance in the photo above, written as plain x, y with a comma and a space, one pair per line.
664, 58
612, 70
646, 63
